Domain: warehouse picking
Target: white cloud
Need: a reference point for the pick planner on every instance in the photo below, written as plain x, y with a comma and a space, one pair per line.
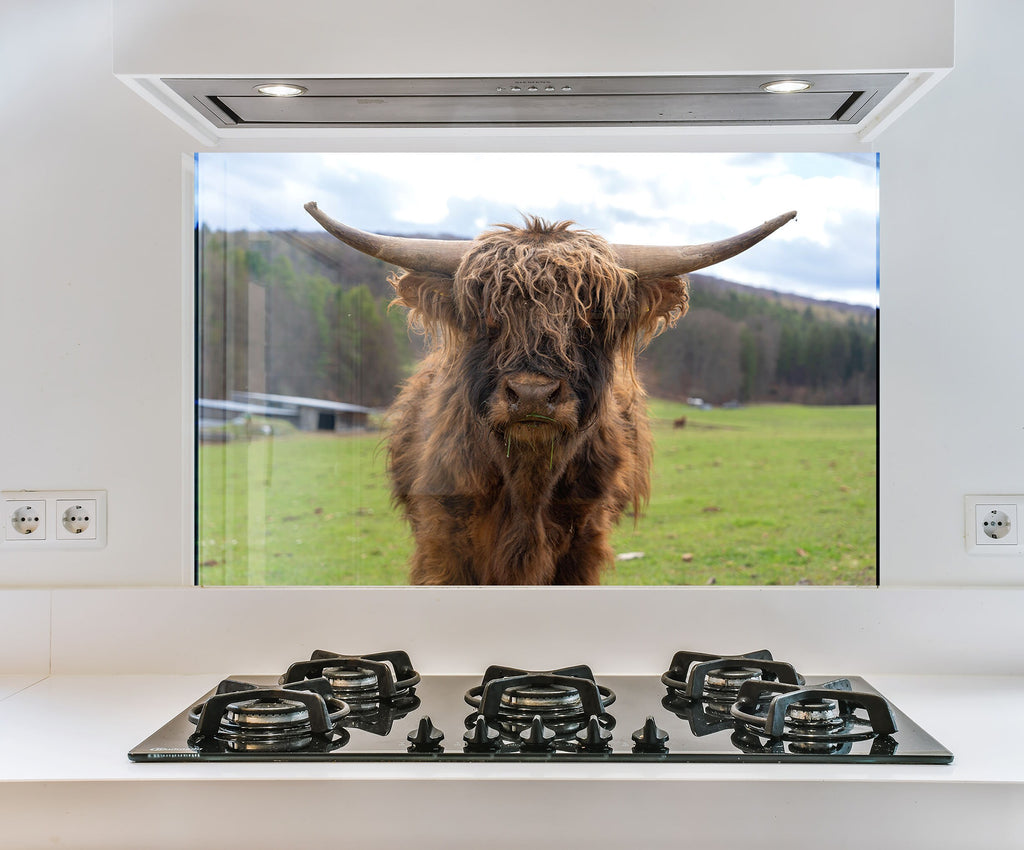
627, 197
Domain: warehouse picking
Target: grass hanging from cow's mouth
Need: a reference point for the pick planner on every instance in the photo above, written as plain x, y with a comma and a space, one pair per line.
542, 417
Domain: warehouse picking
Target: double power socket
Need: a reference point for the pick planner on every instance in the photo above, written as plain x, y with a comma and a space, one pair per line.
53, 519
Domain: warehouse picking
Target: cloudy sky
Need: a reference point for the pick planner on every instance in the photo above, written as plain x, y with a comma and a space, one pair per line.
645, 198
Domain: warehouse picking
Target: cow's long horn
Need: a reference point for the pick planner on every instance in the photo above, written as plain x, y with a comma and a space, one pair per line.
660, 260
424, 255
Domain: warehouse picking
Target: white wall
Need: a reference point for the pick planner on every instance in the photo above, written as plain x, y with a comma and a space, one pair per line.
462, 37
94, 351
91, 336
952, 306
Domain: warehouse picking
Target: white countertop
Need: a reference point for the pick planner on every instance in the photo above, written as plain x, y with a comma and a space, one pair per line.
101, 717
65, 778
64, 739
10, 685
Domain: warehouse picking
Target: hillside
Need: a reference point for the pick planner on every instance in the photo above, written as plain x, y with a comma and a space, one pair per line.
314, 313
742, 343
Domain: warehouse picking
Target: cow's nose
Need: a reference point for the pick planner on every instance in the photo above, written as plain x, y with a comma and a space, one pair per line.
532, 393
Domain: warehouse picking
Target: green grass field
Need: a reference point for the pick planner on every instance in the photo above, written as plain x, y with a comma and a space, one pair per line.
768, 494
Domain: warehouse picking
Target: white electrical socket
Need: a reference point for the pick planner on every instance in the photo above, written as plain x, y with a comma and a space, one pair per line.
24, 519
991, 525
54, 519
76, 519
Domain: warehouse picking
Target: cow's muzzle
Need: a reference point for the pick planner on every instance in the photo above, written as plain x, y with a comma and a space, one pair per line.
528, 394
532, 404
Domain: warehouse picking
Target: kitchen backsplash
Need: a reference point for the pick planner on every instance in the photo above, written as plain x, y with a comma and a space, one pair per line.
459, 630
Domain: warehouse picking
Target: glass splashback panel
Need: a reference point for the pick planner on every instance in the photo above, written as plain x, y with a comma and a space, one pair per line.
762, 399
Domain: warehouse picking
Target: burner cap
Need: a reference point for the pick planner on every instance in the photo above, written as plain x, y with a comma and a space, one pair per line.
265, 724
818, 716
728, 680
267, 714
347, 681
549, 700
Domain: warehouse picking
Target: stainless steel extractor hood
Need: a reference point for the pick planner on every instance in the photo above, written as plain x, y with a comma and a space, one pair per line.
447, 74
536, 101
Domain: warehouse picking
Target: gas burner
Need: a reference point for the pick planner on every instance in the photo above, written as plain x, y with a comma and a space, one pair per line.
246, 718
563, 699
716, 679
813, 719
366, 682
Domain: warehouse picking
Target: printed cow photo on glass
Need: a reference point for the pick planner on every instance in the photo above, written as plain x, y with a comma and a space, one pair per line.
536, 369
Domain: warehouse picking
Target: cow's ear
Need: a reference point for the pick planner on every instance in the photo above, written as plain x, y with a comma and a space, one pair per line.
661, 302
428, 297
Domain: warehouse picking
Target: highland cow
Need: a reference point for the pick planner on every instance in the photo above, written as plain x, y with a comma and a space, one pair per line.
523, 435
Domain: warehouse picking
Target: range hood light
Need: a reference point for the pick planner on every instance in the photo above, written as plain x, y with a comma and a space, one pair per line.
280, 89
786, 86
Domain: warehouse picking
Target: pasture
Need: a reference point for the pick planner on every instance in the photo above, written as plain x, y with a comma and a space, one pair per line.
762, 495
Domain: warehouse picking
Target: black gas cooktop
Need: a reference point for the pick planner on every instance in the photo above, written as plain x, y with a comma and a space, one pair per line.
704, 708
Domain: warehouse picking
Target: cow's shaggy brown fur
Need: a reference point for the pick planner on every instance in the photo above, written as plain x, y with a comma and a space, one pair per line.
523, 436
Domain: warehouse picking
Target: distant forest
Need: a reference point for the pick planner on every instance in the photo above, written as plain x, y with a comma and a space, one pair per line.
300, 313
